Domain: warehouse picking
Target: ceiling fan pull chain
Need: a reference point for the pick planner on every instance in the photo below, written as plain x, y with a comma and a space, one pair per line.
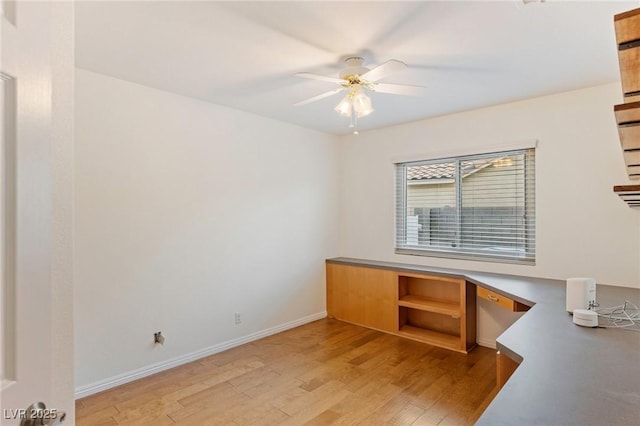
355, 119
351, 125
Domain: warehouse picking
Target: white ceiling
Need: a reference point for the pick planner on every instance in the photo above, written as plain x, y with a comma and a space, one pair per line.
244, 55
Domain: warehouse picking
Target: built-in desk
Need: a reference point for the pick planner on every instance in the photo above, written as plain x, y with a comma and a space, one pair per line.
568, 375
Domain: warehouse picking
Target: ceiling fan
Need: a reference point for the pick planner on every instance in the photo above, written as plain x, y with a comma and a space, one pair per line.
356, 79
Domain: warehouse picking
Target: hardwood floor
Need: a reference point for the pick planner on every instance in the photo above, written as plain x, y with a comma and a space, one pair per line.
325, 372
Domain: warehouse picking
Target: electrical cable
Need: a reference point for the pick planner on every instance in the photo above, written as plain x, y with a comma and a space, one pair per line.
625, 316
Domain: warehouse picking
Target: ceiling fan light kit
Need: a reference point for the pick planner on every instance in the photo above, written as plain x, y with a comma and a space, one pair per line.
355, 78
344, 107
362, 104
356, 101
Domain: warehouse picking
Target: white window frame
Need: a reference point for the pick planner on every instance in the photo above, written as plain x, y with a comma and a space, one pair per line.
526, 257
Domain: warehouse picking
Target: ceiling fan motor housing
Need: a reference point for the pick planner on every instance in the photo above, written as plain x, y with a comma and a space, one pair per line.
353, 69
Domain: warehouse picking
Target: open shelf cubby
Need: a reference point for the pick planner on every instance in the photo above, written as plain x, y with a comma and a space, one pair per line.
434, 310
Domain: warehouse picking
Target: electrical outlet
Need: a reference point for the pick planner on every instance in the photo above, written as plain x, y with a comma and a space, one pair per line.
237, 318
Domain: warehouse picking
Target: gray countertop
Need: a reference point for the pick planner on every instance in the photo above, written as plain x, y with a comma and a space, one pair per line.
569, 375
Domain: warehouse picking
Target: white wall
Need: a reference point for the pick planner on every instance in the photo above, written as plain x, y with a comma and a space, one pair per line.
583, 228
187, 212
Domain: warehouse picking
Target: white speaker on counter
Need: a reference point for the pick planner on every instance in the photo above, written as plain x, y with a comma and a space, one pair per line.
581, 293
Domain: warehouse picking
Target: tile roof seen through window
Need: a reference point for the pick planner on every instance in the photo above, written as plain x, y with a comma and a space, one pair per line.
431, 171
445, 171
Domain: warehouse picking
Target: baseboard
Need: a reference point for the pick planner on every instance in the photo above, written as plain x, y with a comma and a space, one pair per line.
487, 343
139, 373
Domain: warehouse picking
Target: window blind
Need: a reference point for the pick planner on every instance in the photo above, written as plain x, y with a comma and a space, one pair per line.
479, 206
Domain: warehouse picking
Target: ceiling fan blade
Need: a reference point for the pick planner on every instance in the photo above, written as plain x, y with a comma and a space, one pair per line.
320, 96
320, 77
398, 89
383, 70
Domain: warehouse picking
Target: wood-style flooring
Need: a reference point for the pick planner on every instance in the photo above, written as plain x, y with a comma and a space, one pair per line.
326, 372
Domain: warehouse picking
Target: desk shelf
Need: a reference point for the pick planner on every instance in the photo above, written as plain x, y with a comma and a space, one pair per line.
434, 310
430, 305
434, 338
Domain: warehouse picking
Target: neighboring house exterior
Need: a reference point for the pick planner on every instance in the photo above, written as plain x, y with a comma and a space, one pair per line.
492, 194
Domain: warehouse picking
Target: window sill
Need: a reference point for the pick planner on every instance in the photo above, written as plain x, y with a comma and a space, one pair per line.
462, 256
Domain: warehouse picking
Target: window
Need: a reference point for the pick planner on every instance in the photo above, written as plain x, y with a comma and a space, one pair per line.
479, 207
